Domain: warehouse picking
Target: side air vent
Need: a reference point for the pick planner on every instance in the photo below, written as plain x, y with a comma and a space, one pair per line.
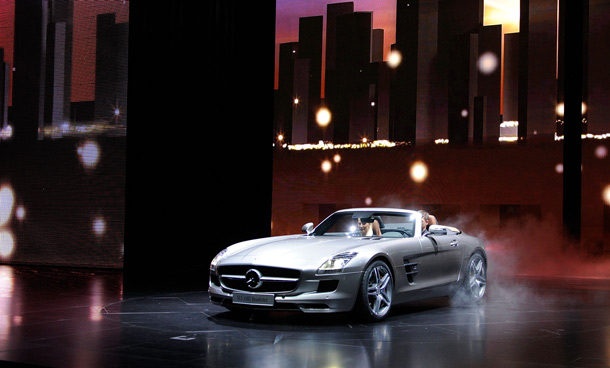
412, 269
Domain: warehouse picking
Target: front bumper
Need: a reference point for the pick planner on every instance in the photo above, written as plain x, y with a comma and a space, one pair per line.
314, 294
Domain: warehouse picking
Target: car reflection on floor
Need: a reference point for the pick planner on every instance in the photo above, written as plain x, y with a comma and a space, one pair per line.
75, 318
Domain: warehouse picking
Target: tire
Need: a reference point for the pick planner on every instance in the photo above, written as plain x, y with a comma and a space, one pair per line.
376, 292
474, 285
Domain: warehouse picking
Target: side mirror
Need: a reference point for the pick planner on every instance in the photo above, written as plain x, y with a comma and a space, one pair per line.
307, 228
437, 230
443, 230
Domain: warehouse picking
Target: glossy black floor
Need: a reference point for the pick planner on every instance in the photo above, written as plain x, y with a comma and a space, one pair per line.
58, 317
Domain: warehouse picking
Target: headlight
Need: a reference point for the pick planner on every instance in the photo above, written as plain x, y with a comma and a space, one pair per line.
215, 260
337, 263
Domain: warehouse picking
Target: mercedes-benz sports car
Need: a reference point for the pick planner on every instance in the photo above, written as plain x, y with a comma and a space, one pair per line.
363, 260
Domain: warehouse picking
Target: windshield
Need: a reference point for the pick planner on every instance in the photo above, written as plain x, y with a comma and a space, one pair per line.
353, 224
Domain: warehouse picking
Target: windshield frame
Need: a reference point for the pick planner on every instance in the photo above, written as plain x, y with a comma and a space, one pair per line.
413, 222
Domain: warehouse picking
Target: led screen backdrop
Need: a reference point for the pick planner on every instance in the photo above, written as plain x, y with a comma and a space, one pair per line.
63, 120
454, 107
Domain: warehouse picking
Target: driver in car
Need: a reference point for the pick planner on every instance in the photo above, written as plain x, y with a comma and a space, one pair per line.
369, 227
426, 220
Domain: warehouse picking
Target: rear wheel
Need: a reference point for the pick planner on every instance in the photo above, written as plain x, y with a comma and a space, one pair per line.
475, 281
376, 292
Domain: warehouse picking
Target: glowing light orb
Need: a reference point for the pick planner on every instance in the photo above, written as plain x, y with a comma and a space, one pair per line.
419, 172
606, 195
99, 226
601, 152
7, 201
323, 117
488, 63
17, 320
394, 59
296, 101
559, 168
20, 213
337, 158
89, 154
7, 244
560, 109
280, 137
326, 166
464, 113
368, 201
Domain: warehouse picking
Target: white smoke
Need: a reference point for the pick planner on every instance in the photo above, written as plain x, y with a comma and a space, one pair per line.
529, 258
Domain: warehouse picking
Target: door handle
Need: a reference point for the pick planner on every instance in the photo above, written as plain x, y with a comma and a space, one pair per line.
454, 243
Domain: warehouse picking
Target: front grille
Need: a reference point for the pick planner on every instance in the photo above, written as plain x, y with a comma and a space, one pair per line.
270, 279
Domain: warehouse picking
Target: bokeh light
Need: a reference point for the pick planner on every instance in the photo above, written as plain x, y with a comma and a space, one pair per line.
326, 166
606, 195
7, 201
7, 243
559, 168
20, 213
89, 154
368, 201
560, 109
323, 117
394, 59
337, 158
601, 152
419, 172
99, 226
488, 63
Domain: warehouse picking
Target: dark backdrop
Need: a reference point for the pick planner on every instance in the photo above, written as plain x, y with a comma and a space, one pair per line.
199, 155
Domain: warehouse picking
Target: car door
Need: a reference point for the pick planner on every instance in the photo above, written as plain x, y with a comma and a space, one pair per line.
406, 258
441, 258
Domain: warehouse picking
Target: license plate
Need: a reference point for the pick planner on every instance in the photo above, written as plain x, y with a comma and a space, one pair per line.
254, 299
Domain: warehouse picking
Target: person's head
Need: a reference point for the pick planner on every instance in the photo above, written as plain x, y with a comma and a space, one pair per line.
425, 219
364, 225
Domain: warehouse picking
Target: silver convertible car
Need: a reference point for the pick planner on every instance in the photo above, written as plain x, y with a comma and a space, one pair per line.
364, 260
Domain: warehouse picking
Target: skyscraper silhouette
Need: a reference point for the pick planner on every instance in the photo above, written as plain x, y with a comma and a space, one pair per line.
31, 21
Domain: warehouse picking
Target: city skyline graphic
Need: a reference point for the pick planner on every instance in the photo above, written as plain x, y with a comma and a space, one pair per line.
460, 78
479, 101
85, 13
505, 12
63, 118
64, 68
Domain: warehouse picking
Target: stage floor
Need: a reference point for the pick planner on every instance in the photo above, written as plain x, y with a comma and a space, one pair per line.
57, 317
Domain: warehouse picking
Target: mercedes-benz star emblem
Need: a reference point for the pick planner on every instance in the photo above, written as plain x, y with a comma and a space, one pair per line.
253, 279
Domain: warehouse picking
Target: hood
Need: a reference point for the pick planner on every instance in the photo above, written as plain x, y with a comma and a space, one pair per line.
297, 251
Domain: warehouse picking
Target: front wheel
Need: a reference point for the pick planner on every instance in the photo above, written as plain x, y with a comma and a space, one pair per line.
376, 292
475, 281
